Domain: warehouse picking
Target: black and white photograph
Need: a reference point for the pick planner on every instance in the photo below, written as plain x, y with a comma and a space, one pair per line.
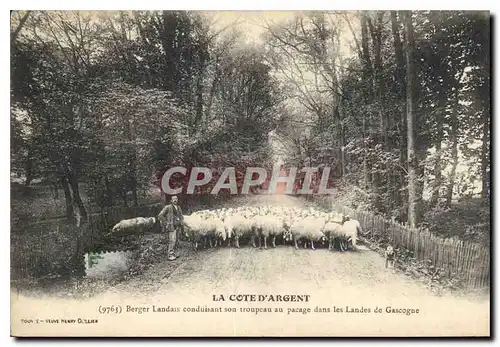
292, 173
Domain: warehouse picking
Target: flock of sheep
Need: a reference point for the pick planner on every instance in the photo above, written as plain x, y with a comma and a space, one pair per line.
229, 225
226, 226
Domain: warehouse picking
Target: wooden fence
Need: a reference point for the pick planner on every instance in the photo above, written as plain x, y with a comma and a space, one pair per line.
455, 258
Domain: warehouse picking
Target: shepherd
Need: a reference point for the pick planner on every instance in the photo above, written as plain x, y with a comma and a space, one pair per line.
171, 220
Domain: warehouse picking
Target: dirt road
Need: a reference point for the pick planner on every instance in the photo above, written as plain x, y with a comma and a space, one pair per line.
335, 281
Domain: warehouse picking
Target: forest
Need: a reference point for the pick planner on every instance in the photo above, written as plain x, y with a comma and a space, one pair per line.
397, 103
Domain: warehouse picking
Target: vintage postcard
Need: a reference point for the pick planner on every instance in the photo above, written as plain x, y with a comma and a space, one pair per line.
250, 173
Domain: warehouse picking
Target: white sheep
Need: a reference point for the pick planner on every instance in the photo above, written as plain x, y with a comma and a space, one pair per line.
138, 225
214, 228
288, 221
309, 229
349, 233
196, 233
332, 233
200, 212
309, 225
268, 226
237, 226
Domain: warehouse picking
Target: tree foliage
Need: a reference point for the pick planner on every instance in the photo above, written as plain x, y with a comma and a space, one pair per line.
113, 99
351, 110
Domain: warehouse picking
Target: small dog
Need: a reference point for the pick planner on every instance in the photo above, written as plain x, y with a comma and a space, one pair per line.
389, 256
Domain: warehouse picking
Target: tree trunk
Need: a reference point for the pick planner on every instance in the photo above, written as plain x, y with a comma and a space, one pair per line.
199, 98
380, 184
364, 41
398, 53
366, 175
109, 192
384, 120
437, 166
54, 186
451, 181
399, 127
73, 181
399, 85
485, 154
421, 151
367, 71
400, 90
134, 193
29, 170
208, 107
342, 144
378, 82
133, 178
68, 198
167, 36
15, 33
454, 154
411, 122
439, 134
124, 197
79, 266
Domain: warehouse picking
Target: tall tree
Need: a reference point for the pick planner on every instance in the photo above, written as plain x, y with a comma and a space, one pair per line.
411, 123
368, 72
399, 89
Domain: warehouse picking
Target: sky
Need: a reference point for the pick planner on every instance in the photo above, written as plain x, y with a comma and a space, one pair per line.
253, 23
250, 22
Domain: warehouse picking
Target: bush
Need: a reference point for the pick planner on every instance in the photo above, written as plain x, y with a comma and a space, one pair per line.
468, 219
